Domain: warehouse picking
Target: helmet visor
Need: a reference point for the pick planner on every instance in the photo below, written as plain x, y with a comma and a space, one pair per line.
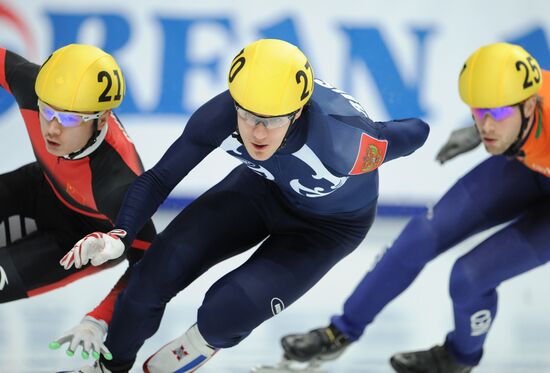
269, 122
65, 118
498, 113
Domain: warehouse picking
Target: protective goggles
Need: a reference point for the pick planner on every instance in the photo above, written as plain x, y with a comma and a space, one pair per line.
66, 118
269, 122
498, 113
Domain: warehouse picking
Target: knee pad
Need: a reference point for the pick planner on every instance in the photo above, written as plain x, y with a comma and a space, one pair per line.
464, 284
228, 315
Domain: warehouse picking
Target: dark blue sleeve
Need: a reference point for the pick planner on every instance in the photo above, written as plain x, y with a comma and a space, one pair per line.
404, 136
205, 131
332, 107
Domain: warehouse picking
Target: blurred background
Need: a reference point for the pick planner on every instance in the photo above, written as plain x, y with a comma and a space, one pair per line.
398, 58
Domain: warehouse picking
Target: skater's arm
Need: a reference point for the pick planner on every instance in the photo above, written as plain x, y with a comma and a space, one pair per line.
404, 136
460, 141
91, 331
104, 311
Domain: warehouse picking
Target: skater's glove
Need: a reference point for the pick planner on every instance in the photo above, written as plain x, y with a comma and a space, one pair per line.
89, 335
96, 248
461, 141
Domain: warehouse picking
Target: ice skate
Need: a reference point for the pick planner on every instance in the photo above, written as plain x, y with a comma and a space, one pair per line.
290, 366
184, 354
306, 352
96, 368
435, 360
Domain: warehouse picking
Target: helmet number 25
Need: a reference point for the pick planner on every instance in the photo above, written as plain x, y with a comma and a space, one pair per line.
104, 75
527, 82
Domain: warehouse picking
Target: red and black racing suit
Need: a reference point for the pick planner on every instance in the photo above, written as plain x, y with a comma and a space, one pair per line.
48, 205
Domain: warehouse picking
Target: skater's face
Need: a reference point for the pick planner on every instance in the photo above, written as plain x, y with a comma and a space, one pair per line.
67, 132
499, 128
262, 136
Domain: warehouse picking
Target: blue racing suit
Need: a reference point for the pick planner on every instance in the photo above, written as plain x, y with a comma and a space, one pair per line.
308, 206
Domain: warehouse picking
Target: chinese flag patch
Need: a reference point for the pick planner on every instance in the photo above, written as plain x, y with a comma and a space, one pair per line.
370, 156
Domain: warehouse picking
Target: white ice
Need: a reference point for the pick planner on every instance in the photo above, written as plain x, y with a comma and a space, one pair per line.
518, 342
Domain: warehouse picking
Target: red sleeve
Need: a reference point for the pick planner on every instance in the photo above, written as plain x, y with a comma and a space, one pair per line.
3, 81
104, 311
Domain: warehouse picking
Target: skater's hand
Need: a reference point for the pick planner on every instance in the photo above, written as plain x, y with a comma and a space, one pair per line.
89, 334
461, 141
96, 247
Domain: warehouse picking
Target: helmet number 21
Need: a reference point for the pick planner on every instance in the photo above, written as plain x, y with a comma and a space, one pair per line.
302, 74
104, 97
527, 81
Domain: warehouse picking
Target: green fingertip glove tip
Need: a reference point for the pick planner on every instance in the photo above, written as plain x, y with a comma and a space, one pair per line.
108, 356
95, 355
70, 353
54, 345
85, 355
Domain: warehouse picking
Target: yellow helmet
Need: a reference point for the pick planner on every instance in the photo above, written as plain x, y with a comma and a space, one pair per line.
271, 77
499, 74
80, 77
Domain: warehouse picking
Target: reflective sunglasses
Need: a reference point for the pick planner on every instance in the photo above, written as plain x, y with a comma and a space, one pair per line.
269, 122
66, 118
498, 113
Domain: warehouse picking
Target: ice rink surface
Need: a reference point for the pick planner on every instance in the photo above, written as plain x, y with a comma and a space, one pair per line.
518, 342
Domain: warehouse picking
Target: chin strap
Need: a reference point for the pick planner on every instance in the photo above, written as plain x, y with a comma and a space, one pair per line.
514, 150
93, 143
237, 135
291, 129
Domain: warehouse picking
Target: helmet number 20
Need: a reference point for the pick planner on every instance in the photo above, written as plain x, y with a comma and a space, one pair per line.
302, 74
236, 66
104, 97
527, 82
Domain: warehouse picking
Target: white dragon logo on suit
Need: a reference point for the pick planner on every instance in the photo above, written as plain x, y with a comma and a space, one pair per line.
3, 278
306, 155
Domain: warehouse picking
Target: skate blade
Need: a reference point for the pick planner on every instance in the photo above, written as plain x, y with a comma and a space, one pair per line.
287, 366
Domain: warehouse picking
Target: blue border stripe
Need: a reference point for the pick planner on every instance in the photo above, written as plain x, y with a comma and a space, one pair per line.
191, 365
384, 209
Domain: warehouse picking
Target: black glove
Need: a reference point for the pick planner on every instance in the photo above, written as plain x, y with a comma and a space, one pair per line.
461, 141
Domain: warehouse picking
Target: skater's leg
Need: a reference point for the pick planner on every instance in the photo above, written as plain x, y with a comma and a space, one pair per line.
513, 250
221, 223
488, 196
475, 277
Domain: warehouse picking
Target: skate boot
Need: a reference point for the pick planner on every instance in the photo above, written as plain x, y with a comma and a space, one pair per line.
314, 348
435, 360
322, 344
184, 354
